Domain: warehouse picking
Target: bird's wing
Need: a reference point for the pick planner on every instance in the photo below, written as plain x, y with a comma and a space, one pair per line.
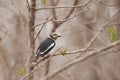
49, 48
45, 46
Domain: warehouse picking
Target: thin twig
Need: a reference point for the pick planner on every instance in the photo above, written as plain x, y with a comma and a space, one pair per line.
42, 22
74, 52
5, 34
55, 7
106, 4
35, 69
71, 11
63, 20
40, 31
1, 38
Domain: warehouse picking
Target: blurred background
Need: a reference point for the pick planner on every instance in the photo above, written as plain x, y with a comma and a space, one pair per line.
76, 34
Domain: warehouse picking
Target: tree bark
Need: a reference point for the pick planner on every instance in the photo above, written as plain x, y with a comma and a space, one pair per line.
32, 6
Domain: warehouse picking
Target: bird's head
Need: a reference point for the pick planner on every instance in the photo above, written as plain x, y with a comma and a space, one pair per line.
54, 36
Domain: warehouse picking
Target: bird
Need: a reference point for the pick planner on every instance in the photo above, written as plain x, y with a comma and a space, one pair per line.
46, 46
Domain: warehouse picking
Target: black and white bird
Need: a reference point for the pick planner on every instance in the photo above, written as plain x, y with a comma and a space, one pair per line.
46, 46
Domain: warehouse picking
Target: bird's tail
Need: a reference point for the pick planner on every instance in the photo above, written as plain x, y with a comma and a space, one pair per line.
36, 58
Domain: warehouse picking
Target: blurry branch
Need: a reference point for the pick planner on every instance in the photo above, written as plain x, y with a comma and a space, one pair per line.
70, 75
62, 20
57, 2
101, 2
55, 7
75, 61
35, 69
75, 52
31, 9
71, 6
11, 37
27, 5
57, 23
54, 16
1, 38
42, 23
46, 57
53, 10
40, 30
100, 31
71, 11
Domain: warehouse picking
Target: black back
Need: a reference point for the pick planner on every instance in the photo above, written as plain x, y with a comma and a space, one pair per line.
45, 47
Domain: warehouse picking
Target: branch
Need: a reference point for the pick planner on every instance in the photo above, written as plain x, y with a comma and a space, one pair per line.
71, 11
35, 69
1, 38
53, 10
106, 4
40, 30
63, 20
42, 22
75, 61
100, 31
76, 51
27, 5
31, 6
55, 7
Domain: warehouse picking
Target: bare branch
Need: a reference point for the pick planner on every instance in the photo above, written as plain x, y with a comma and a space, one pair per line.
71, 11
100, 31
106, 4
63, 20
55, 7
5, 34
27, 5
53, 10
40, 30
32, 6
76, 51
35, 69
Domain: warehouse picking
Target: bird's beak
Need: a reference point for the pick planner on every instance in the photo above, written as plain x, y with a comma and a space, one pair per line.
59, 36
